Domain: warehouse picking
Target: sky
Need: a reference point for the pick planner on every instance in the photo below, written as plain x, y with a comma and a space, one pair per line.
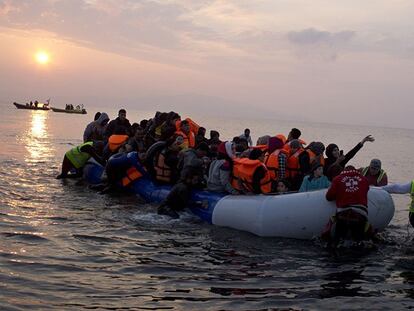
321, 60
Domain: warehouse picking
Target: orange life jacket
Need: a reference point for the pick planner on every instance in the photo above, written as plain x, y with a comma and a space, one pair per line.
193, 126
131, 174
162, 170
293, 165
313, 158
261, 147
272, 162
242, 177
189, 141
115, 141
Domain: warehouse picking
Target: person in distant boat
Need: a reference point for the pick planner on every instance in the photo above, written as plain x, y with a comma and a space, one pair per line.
350, 192
375, 174
36, 103
76, 158
335, 160
403, 188
316, 180
247, 137
121, 122
95, 130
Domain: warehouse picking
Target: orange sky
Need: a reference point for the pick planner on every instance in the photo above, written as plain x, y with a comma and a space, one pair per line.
310, 60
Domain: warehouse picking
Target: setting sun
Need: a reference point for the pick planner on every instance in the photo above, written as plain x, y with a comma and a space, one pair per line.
42, 58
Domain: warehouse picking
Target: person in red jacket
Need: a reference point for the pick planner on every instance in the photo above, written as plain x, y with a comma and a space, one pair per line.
350, 191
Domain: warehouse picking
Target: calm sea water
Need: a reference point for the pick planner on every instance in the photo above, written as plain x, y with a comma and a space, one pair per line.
65, 247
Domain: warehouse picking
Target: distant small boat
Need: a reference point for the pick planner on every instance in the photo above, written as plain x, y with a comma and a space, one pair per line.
78, 111
39, 106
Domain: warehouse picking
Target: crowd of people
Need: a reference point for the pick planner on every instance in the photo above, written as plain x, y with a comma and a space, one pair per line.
176, 151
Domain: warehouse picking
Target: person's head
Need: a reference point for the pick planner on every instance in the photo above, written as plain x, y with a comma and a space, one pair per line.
122, 114
97, 115
139, 133
317, 170
263, 140
247, 132
374, 167
185, 127
242, 145
294, 134
201, 131
256, 154
214, 134
317, 147
103, 119
282, 186
332, 151
294, 145
202, 150
274, 143
143, 123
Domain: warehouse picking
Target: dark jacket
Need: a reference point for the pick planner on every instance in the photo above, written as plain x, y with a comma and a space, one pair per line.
331, 170
118, 126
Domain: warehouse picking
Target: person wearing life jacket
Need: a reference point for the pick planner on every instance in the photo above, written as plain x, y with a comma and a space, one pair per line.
250, 175
350, 192
187, 134
76, 158
275, 157
115, 142
294, 171
375, 174
122, 169
312, 155
219, 176
403, 188
165, 161
201, 136
293, 134
194, 159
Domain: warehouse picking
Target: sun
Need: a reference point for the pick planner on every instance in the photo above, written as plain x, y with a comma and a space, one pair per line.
42, 58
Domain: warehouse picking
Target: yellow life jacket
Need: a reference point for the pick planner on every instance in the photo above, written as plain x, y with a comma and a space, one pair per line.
77, 157
380, 176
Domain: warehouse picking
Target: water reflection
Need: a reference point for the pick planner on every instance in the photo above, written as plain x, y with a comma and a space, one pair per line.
37, 140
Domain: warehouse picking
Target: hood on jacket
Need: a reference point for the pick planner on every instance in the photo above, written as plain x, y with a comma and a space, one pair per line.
329, 150
102, 118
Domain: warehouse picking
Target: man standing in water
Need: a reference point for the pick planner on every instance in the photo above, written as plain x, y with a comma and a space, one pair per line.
350, 191
407, 187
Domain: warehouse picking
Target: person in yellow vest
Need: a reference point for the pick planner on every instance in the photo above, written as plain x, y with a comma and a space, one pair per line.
76, 158
404, 188
375, 174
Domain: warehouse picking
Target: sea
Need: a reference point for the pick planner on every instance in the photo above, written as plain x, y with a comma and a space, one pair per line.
63, 246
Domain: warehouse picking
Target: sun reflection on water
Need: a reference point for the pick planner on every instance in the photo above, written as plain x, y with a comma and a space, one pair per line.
37, 140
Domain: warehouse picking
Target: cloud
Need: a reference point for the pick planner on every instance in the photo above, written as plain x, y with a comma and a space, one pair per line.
312, 36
